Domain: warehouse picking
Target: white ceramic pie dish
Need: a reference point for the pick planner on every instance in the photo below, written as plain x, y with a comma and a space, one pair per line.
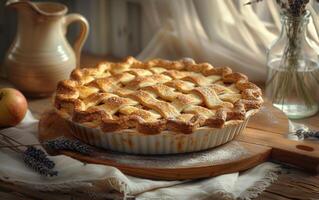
167, 142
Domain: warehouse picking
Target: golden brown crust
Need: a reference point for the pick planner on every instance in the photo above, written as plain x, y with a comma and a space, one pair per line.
157, 95
151, 128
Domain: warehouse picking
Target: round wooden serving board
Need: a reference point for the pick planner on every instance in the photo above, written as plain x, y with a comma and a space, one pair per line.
263, 139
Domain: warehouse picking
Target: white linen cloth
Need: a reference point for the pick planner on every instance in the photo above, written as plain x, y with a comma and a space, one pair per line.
104, 181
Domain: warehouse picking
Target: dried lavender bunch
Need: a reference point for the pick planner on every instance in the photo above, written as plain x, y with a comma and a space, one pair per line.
303, 134
63, 143
34, 158
294, 8
38, 166
39, 155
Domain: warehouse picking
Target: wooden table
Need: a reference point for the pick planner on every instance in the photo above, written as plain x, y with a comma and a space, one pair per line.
294, 184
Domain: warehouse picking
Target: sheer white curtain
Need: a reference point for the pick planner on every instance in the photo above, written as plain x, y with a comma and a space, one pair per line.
221, 32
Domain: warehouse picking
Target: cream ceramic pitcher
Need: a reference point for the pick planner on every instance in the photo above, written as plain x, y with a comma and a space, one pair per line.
40, 55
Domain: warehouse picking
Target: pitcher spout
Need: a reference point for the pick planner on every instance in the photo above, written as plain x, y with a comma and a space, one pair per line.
42, 8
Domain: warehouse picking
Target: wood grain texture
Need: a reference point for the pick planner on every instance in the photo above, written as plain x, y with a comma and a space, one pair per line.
293, 185
302, 154
254, 157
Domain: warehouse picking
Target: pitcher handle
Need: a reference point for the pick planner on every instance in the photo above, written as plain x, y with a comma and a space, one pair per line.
84, 30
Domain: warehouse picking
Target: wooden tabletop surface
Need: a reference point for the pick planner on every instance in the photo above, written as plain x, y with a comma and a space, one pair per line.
294, 184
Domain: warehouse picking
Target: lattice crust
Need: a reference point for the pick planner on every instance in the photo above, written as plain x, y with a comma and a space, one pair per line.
156, 95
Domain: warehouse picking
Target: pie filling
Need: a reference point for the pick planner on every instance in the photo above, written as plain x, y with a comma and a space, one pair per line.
156, 95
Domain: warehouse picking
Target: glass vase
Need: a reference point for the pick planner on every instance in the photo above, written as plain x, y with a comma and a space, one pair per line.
293, 73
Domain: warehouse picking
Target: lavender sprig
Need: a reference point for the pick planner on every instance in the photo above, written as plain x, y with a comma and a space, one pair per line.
37, 159
303, 134
38, 166
39, 155
294, 8
33, 158
63, 143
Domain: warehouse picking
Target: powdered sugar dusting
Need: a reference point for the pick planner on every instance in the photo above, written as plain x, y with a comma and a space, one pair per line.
228, 152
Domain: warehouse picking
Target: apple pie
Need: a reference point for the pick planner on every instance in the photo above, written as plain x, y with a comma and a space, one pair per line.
155, 99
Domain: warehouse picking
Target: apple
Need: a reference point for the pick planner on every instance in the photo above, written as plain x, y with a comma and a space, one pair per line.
13, 107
